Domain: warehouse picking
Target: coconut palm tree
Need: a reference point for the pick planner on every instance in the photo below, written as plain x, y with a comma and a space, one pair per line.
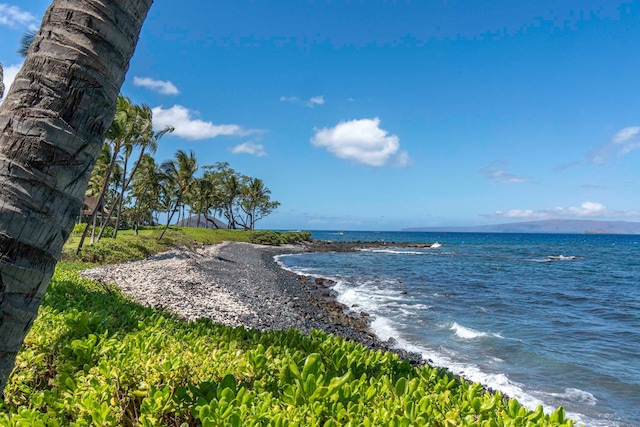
145, 188
54, 120
117, 134
179, 172
140, 136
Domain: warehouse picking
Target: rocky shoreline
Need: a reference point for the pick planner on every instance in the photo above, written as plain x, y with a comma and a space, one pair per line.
240, 284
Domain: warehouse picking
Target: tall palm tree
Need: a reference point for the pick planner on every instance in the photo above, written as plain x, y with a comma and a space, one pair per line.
140, 136
54, 119
179, 171
121, 128
145, 189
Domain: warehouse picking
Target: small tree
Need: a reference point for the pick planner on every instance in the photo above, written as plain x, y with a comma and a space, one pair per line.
255, 203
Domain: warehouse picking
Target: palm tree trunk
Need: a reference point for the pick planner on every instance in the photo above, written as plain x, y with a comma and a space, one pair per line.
52, 126
120, 199
99, 204
176, 208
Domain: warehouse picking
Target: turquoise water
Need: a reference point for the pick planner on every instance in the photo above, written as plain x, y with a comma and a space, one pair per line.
547, 319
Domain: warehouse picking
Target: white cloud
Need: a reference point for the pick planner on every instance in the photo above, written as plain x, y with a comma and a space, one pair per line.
625, 134
14, 17
9, 76
622, 143
160, 86
585, 210
181, 118
362, 141
566, 166
311, 102
249, 148
316, 100
498, 171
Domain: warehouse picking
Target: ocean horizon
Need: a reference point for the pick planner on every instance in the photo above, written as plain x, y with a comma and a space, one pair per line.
549, 319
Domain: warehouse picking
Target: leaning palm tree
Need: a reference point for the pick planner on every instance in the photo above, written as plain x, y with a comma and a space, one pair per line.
53, 123
119, 131
145, 140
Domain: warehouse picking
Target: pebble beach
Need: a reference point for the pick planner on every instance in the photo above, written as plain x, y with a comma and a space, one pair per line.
240, 284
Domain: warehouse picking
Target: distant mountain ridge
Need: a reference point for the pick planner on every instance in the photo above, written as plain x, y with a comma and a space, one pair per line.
192, 221
551, 226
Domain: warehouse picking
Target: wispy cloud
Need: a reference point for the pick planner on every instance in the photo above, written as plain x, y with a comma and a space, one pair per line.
566, 166
585, 210
622, 143
160, 86
14, 17
289, 99
593, 187
311, 102
249, 148
316, 100
188, 127
9, 76
362, 141
498, 171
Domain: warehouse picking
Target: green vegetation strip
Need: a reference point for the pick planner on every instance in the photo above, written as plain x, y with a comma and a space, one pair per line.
95, 358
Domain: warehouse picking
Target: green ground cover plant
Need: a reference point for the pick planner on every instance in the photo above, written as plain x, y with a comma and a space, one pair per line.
95, 358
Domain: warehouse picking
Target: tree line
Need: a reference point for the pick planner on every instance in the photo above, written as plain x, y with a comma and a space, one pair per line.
131, 193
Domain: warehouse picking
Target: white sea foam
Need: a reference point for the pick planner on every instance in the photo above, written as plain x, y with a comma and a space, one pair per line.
576, 395
469, 334
445, 358
466, 333
395, 251
555, 258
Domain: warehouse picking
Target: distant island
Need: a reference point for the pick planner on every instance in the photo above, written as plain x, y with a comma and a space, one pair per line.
555, 226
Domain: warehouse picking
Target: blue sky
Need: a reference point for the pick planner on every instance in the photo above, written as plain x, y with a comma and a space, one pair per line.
379, 115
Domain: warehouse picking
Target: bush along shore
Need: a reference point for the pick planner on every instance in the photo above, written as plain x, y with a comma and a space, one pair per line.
128, 355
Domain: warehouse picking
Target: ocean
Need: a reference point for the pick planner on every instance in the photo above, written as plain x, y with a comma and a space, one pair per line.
548, 319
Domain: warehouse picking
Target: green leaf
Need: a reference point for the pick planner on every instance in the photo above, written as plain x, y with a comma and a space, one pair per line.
401, 386
311, 365
229, 381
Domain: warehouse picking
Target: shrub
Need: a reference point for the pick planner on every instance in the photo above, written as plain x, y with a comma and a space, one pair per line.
78, 229
266, 237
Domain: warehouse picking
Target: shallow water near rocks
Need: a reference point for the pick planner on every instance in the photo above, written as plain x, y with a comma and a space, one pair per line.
547, 319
